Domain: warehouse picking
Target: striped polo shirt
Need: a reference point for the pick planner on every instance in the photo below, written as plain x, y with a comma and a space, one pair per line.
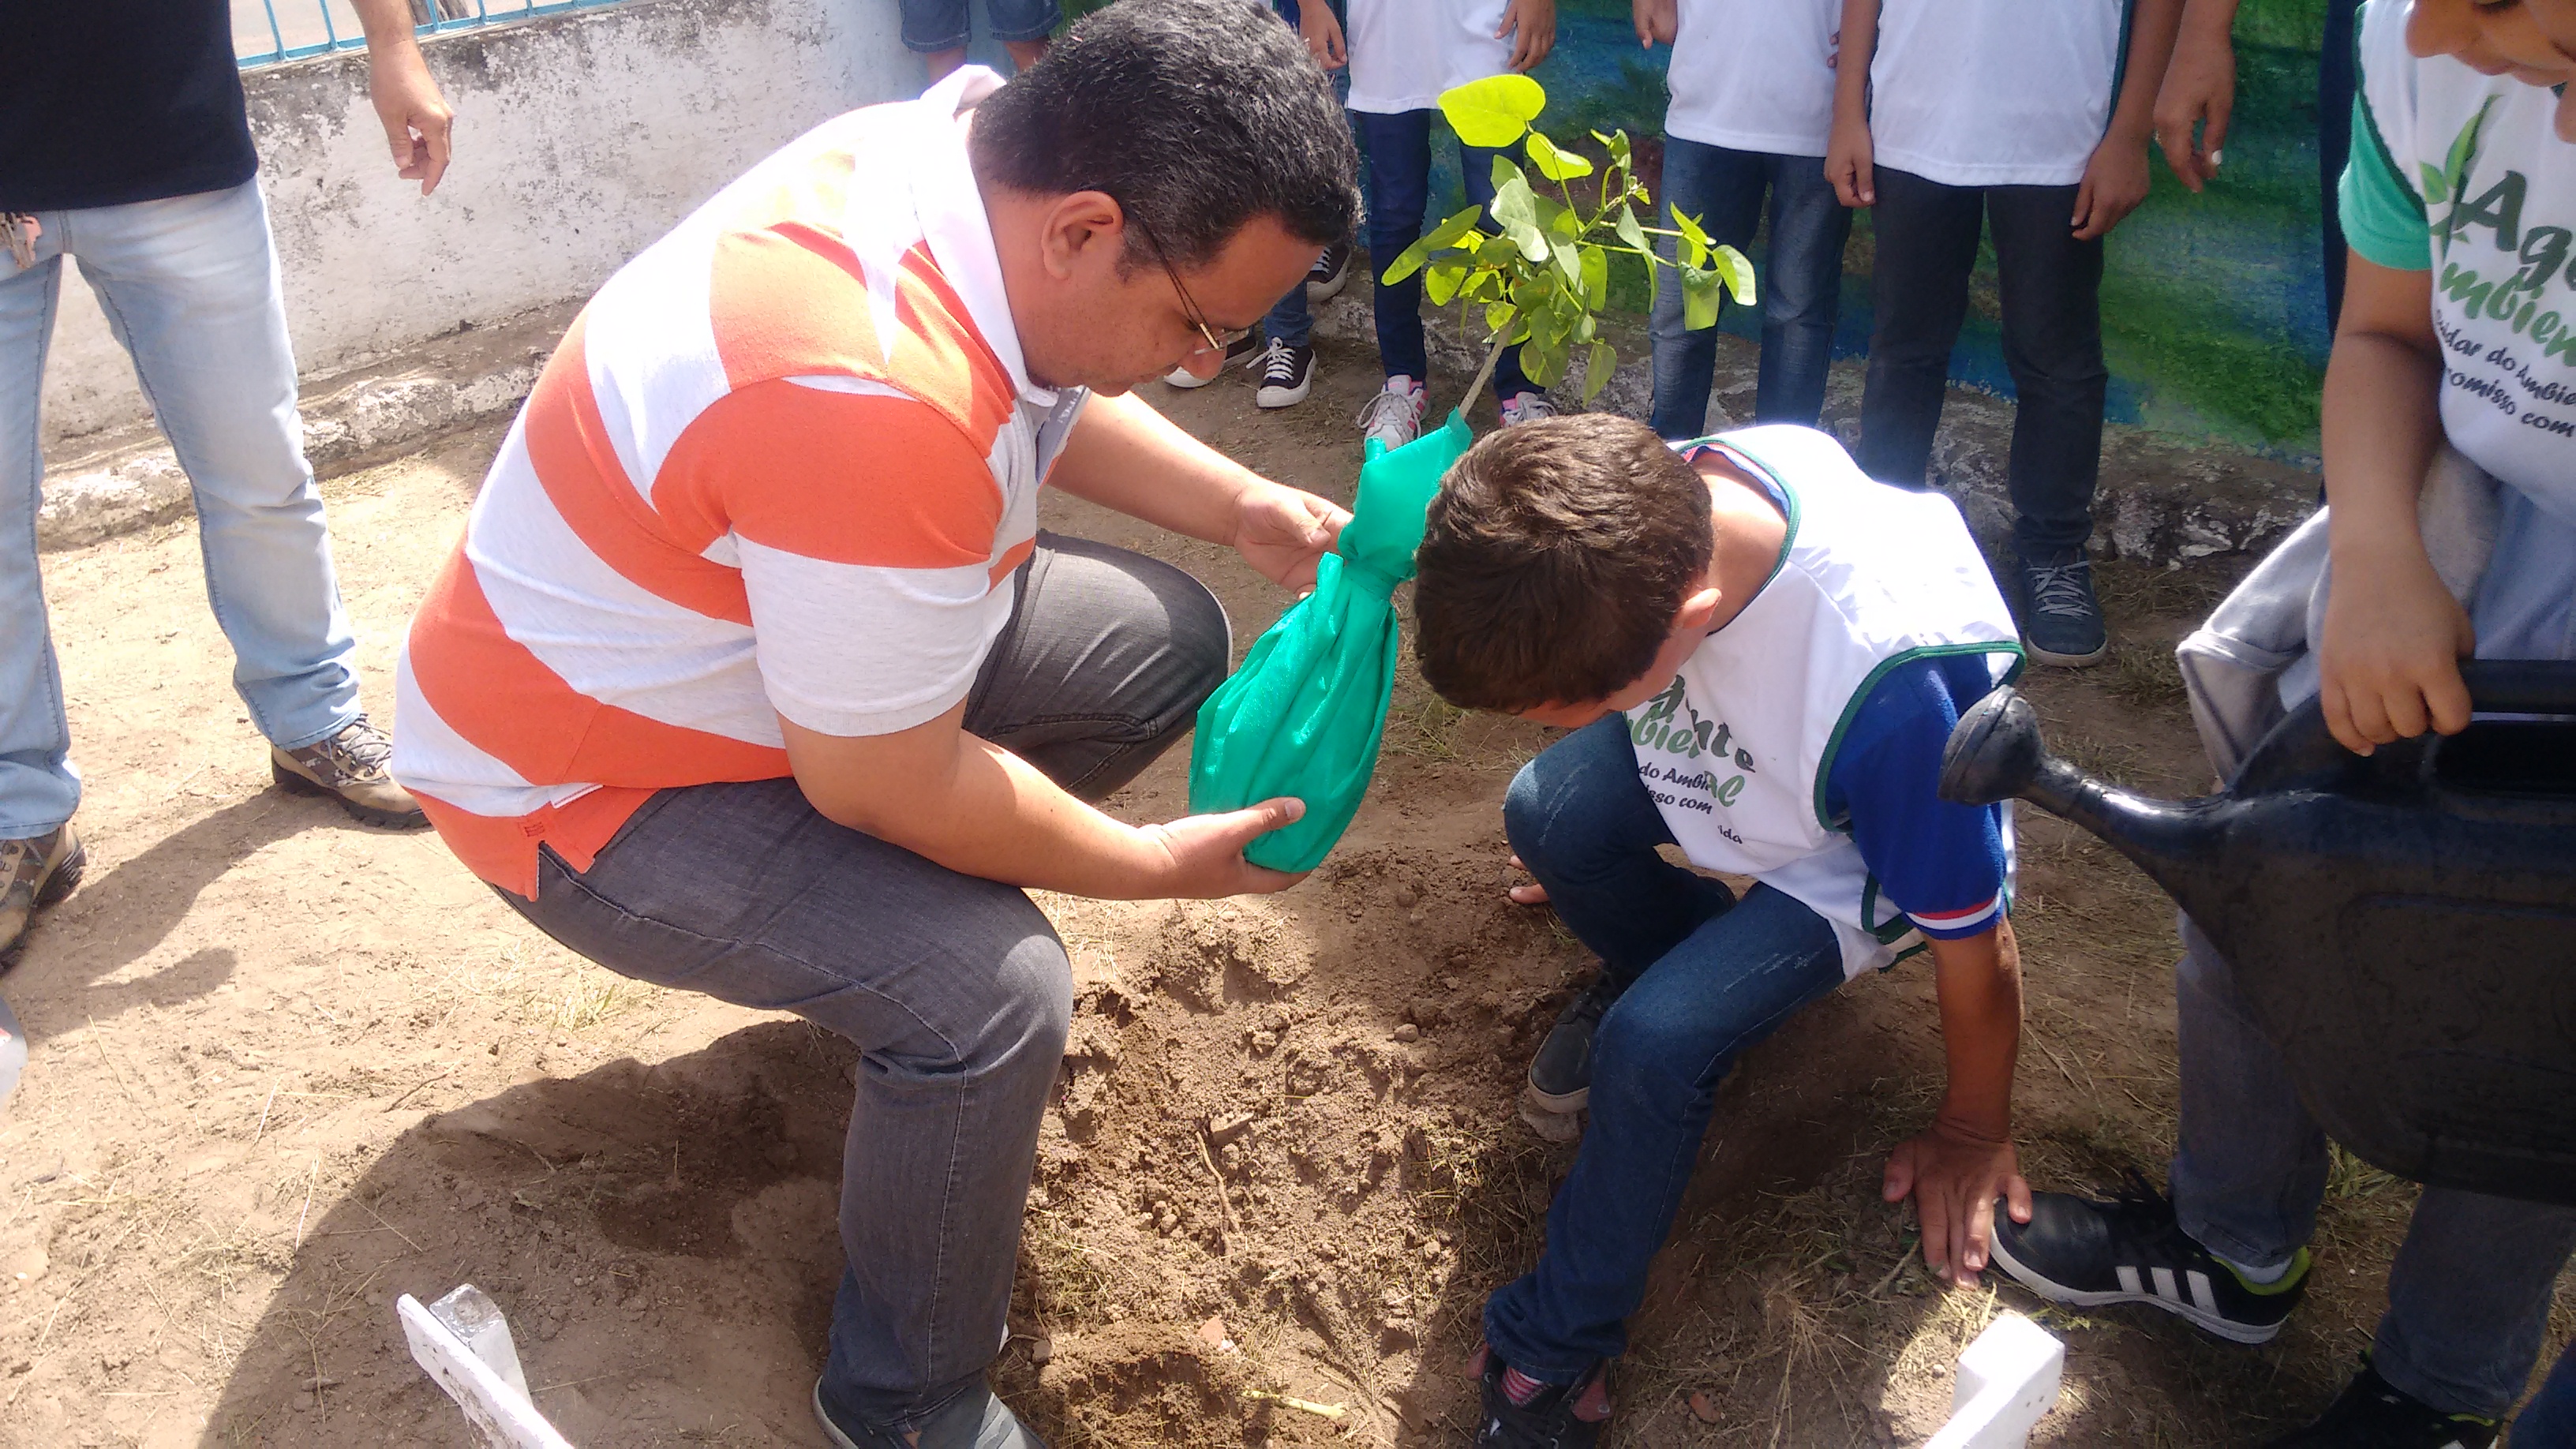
783, 464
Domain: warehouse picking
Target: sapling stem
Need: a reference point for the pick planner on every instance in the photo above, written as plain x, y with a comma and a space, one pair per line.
1485, 373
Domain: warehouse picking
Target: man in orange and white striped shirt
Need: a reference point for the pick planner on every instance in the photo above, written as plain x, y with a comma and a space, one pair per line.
754, 675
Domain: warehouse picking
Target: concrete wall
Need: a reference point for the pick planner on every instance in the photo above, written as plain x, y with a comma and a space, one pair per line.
579, 139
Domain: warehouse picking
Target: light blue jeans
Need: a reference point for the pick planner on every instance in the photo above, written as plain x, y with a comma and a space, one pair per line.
190, 286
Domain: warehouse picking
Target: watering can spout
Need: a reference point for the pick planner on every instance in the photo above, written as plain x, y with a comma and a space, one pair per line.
1996, 754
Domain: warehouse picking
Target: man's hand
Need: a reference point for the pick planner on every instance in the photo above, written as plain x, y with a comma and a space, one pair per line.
1657, 21
1205, 852
2115, 181
2389, 665
1532, 26
1285, 532
2199, 90
1322, 32
1954, 1178
416, 117
1847, 163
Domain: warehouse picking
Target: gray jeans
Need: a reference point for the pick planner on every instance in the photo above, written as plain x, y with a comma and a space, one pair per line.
2468, 1297
955, 988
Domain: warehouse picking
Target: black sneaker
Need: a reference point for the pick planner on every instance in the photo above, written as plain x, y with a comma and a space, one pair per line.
2131, 1250
2370, 1414
2061, 621
1558, 1416
1287, 375
1560, 1076
1238, 352
974, 1419
1332, 272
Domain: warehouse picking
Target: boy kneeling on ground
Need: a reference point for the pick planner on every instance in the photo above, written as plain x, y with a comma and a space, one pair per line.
1761, 654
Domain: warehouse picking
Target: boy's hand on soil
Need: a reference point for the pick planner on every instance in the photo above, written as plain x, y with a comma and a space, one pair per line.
1532, 894
1954, 1178
1847, 164
2389, 666
1531, 25
2115, 181
1285, 532
2199, 89
1656, 21
1203, 854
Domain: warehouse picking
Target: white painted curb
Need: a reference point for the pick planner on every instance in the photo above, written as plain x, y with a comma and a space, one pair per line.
2008, 1381
464, 1344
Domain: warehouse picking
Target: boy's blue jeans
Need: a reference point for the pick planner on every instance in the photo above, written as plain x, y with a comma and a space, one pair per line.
1399, 191
1802, 282
1708, 976
190, 286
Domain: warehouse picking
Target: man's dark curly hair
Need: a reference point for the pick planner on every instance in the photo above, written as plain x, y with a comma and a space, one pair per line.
1196, 115
1557, 553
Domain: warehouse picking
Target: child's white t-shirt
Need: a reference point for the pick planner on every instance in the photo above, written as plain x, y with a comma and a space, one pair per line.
1755, 75
1994, 92
1404, 53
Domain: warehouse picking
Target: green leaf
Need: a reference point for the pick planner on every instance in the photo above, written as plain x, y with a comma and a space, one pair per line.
1597, 369
1493, 111
1516, 208
1595, 279
1439, 238
1695, 242
1553, 164
1732, 265
1440, 282
1569, 265
1702, 288
1617, 141
1499, 315
1486, 285
1631, 230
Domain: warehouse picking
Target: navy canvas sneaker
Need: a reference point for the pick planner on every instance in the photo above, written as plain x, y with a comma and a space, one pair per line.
2061, 621
974, 1419
2086, 1254
2372, 1414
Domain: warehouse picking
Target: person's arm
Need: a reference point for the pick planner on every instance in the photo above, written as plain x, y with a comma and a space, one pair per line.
2394, 635
1956, 1170
1657, 21
1848, 152
980, 810
1125, 456
1531, 24
1322, 32
417, 120
2115, 180
2199, 91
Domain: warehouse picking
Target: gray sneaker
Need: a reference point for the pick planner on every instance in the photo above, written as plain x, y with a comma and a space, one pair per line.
974, 1419
1526, 407
34, 874
1394, 415
2061, 621
352, 767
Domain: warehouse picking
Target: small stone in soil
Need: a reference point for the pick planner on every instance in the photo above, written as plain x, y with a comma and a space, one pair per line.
1408, 1033
1704, 1408
1212, 1332
1224, 1127
1408, 894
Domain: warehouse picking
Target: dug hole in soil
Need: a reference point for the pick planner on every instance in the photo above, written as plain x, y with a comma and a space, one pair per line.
286, 1068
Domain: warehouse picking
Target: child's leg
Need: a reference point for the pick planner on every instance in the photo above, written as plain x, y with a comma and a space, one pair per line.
2468, 1300
1476, 170
2250, 1165
1660, 1054
1399, 182
1927, 247
1802, 290
2051, 288
1582, 822
1722, 190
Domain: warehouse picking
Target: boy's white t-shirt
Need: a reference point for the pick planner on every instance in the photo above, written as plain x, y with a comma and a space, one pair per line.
1755, 75
1404, 53
1994, 92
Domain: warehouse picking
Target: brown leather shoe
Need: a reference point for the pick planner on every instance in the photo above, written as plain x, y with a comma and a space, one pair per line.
350, 767
33, 875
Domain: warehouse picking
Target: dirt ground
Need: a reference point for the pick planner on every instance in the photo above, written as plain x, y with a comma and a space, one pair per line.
286, 1068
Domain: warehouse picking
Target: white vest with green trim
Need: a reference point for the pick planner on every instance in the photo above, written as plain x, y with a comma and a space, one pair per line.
1736, 752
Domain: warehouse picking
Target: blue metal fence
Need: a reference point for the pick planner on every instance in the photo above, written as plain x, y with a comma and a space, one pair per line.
268, 31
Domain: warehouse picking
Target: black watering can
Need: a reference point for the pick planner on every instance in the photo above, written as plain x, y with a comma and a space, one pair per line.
2403, 925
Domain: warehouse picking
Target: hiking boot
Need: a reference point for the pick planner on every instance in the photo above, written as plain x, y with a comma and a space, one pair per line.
2131, 1250
2371, 1414
352, 768
1332, 273
1522, 1413
1394, 416
35, 873
1240, 350
1287, 375
1526, 407
974, 1419
1560, 1076
2061, 621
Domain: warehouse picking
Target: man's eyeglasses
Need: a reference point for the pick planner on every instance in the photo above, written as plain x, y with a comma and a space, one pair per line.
1217, 340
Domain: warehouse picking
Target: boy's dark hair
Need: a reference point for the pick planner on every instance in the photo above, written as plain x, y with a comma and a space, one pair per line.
1196, 115
1555, 556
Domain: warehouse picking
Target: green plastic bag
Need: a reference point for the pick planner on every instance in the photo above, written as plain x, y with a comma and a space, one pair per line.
1304, 714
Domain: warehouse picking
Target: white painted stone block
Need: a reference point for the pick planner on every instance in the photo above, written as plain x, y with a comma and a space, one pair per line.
2008, 1381
464, 1344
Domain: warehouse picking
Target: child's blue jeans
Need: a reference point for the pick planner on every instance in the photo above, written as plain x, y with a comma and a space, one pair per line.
1708, 975
2549, 1420
1802, 281
1399, 191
